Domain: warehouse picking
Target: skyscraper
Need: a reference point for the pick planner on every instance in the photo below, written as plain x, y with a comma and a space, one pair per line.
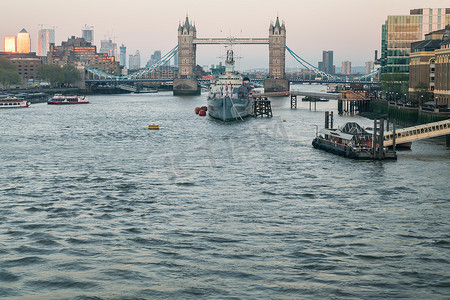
87, 33
23, 42
369, 67
130, 61
346, 67
45, 38
108, 47
154, 57
10, 44
399, 31
134, 62
123, 56
326, 64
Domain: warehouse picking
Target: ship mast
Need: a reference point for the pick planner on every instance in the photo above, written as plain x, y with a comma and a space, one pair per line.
229, 62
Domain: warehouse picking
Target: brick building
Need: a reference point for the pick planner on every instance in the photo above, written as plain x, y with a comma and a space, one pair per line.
80, 52
26, 63
430, 65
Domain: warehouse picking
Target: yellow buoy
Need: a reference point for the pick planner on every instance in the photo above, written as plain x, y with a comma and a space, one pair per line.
153, 126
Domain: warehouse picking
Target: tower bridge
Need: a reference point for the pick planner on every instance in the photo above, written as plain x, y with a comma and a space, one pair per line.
187, 84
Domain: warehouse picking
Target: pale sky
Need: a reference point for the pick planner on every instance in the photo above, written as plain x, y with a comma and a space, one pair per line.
351, 28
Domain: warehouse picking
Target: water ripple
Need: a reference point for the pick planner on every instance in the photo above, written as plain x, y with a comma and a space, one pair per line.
95, 206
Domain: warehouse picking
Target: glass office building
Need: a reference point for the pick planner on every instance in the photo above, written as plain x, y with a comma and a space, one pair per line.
10, 44
45, 38
23, 42
398, 32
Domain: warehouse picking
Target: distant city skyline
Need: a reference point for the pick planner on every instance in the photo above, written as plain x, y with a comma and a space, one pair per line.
311, 27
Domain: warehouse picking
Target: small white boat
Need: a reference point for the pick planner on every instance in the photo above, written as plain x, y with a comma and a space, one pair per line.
60, 99
13, 102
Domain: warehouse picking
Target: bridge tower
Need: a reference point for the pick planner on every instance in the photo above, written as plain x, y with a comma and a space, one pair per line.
186, 83
277, 59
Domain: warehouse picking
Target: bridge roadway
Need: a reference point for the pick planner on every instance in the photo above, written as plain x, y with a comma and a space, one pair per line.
326, 81
231, 40
418, 132
131, 80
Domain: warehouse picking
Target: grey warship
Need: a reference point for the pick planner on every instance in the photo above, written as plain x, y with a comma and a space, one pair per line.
229, 96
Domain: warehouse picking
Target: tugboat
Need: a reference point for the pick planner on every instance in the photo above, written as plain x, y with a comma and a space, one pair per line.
229, 96
61, 100
13, 102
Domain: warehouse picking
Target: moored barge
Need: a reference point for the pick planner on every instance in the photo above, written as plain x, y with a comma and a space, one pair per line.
352, 141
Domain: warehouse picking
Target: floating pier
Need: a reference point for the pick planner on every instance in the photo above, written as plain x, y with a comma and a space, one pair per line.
353, 141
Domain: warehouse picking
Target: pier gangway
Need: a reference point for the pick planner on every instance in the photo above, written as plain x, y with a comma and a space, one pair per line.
415, 133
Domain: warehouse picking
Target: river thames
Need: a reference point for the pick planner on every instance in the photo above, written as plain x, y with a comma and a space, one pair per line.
93, 205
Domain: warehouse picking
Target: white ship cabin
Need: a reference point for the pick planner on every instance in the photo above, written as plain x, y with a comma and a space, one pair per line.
13, 102
351, 135
230, 83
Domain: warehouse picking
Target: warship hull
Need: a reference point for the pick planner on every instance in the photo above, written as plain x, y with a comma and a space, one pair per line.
229, 109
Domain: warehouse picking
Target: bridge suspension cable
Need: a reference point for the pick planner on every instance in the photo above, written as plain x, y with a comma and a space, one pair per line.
373, 73
142, 72
325, 74
309, 66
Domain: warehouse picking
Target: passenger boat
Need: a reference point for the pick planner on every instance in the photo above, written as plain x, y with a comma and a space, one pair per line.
60, 99
351, 141
13, 102
229, 96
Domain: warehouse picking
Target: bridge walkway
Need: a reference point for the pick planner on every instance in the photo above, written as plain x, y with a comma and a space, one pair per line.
418, 132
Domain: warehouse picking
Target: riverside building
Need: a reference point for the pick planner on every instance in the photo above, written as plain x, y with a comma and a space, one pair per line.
27, 64
430, 65
79, 51
399, 31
